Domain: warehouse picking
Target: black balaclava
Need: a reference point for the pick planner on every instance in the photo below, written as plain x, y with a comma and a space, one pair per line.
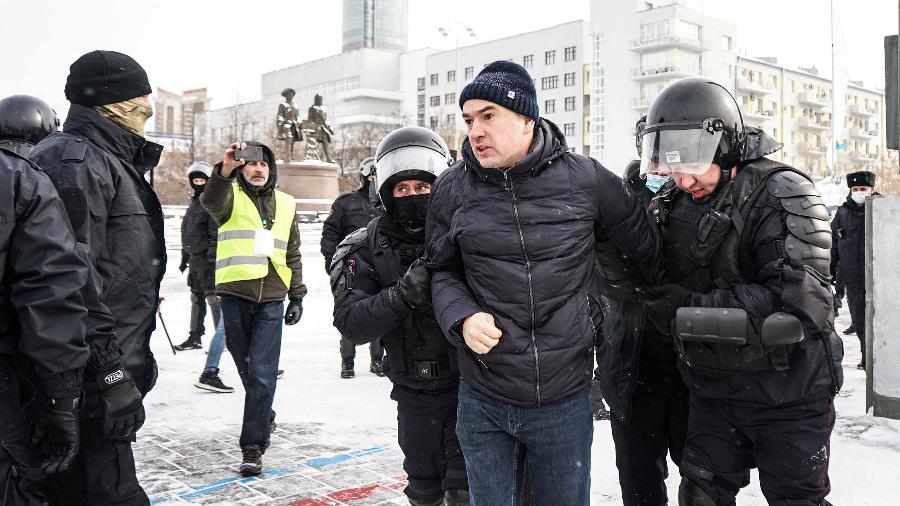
198, 189
410, 212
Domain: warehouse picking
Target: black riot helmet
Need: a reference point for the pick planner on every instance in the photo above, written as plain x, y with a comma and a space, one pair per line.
24, 121
692, 123
366, 169
408, 153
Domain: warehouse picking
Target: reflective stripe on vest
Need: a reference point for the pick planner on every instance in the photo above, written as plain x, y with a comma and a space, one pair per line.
235, 256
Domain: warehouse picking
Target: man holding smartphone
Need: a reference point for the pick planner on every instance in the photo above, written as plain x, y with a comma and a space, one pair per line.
257, 264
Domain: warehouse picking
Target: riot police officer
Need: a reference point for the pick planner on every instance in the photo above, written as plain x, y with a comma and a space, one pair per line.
746, 248
24, 121
383, 289
352, 211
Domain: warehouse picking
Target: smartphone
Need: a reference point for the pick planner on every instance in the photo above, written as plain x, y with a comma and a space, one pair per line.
249, 154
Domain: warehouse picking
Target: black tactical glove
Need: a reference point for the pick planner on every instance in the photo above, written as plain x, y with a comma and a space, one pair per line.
837, 304
123, 407
663, 302
293, 312
184, 263
415, 285
56, 434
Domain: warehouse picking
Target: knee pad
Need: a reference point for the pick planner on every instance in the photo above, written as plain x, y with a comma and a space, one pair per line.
691, 494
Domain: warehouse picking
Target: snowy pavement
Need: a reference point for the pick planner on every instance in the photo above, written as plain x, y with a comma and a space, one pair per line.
336, 439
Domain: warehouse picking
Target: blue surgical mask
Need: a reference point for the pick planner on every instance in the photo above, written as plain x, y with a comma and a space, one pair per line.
654, 182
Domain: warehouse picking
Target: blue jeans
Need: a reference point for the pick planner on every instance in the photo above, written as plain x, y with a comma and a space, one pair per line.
216, 347
495, 438
253, 334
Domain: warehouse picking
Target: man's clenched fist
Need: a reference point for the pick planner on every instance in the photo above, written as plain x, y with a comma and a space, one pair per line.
480, 333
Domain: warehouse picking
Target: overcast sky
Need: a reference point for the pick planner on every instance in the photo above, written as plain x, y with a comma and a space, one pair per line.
226, 45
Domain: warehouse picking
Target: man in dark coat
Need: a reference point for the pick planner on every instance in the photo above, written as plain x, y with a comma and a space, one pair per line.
510, 236
42, 331
746, 301
196, 230
350, 212
848, 253
98, 165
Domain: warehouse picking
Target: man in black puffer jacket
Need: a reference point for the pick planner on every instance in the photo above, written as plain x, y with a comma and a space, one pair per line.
98, 165
510, 237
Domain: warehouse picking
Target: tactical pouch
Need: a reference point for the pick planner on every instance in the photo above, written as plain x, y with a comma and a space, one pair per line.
711, 231
719, 339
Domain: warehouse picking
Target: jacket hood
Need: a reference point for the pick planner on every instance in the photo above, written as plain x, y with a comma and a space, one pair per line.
132, 149
548, 144
269, 157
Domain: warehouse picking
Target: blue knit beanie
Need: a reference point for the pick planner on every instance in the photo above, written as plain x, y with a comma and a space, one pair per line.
504, 83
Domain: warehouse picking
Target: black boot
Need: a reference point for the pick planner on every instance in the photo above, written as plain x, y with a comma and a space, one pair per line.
347, 369
377, 367
192, 343
456, 497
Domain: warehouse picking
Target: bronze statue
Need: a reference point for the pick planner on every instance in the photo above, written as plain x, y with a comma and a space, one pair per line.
288, 123
319, 132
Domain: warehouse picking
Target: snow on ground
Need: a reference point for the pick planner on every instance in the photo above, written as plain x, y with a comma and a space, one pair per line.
336, 441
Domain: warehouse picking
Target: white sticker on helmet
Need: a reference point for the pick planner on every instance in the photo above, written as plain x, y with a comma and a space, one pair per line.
673, 157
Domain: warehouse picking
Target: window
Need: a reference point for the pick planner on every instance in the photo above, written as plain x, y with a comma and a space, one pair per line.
449, 98
569, 79
570, 103
434, 122
570, 54
420, 85
656, 30
569, 129
434, 79
435, 101
528, 61
688, 30
550, 57
726, 43
550, 82
451, 76
470, 72
549, 106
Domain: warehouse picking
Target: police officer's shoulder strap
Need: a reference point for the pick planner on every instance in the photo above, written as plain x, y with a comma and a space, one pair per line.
75, 149
385, 259
743, 203
351, 243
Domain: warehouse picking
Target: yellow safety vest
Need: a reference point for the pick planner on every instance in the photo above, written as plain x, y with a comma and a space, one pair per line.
236, 259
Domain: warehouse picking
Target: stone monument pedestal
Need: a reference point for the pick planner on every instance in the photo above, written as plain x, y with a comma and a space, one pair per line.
313, 181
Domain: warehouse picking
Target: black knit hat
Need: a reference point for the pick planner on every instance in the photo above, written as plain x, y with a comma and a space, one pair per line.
105, 77
504, 83
861, 178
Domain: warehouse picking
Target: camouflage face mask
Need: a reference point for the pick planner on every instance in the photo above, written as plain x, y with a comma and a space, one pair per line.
130, 114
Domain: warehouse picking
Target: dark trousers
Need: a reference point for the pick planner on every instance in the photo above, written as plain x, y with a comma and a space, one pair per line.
790, 445
102, 473
198, 314
20, 472
657, 425
856, 302
253, 337
348, 349
426, 432
495, 436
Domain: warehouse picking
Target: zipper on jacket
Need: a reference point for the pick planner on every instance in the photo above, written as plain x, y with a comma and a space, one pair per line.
537, 363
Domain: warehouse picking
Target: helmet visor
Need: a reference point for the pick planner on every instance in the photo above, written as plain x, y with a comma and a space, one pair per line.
688, 148
414, 160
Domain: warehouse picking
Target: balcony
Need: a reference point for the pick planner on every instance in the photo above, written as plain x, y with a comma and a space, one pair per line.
861, 111
666, 42
759, 115
754, 87
810, 99
640, 103
811, 150
812, 124
863, 157
664, 72
862, 133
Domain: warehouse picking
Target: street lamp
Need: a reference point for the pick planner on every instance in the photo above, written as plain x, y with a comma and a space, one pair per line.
457, 31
